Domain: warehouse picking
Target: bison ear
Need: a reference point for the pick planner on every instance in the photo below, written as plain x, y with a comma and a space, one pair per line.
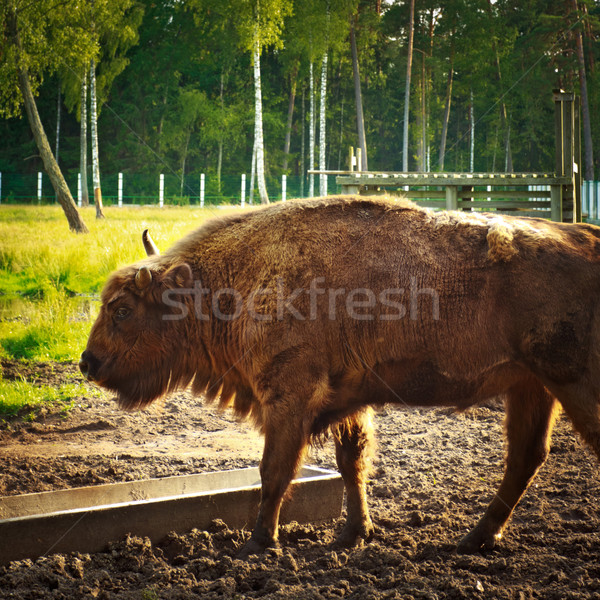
179, 276
143, 278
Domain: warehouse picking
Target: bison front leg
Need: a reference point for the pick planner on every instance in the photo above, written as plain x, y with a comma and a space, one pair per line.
530, 414
285, 442
353, 446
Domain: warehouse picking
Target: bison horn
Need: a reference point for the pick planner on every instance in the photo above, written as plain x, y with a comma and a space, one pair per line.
143, 278
149, 244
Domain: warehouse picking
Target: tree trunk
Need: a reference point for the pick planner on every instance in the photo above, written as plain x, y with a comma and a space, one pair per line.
290, 117
472, 133
341, 140
322, 128
221, 134
585, 107
311, 134
423, 120
411, 32
161, 122
95, 157
360, 120
85, 199
61, 189
258, 126
252, 174
302, 145
183, 161
58, 111
508, 165
446, 112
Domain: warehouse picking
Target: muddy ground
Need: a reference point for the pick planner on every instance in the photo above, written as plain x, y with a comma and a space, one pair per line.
434, 474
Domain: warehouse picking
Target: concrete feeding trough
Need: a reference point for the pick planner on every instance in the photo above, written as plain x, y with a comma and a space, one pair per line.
86, 519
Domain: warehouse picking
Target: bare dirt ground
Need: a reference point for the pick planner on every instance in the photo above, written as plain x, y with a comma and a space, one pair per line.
434, 474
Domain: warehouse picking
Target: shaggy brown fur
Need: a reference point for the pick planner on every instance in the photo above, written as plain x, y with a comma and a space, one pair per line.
312, 311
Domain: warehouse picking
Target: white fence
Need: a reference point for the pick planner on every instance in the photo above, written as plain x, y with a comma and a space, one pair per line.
590, 200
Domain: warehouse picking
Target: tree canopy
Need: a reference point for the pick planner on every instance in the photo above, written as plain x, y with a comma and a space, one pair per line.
177, 84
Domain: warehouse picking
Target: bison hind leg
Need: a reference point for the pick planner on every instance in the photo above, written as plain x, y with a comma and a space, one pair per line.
530, 414
354, 443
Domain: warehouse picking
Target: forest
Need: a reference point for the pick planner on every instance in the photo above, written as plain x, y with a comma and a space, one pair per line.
274, 87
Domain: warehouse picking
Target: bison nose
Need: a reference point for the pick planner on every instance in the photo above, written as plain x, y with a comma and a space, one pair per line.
85, 363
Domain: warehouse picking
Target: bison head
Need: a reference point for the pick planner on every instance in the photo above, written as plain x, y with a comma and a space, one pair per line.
135, 344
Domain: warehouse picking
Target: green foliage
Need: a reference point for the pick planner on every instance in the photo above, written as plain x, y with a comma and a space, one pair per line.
22, 396
181, 99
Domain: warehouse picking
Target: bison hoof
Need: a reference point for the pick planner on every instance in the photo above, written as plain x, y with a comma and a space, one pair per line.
252, 546
476, 541
351, 535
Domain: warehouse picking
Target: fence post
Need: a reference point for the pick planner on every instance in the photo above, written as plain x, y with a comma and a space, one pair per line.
120, 190
451, 197
556, 203
243, 189
201, 190
79, 189
161, 191
39, 187
283, 187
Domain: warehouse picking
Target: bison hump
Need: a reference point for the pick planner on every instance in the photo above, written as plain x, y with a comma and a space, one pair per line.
500, 239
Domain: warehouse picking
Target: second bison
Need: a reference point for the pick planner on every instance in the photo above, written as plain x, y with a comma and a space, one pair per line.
303, 315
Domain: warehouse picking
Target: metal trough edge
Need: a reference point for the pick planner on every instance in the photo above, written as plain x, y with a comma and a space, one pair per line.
316, 496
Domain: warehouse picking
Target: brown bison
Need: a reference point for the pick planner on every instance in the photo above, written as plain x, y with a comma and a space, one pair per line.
304, 315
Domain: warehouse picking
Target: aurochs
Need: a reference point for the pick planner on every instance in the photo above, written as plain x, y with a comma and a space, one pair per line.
304, 315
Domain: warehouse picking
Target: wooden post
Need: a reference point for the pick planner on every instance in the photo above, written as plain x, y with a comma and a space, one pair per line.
577, 166
567, 155
451, 197
359, 159
556, 203
351, 159
39, 187
79, 189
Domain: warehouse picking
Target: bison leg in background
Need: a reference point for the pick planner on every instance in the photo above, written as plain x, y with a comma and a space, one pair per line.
353, 445
582, 404
285, 442
530, 415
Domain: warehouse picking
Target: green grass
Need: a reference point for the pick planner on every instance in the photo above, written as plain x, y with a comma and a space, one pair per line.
38, 253
49, 277
50, 280
22, 396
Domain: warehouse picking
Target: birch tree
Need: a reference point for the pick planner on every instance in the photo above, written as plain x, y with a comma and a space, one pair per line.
83, 141
95, 153
259, 24
323, 128
311, 131
34, 33
258, 122
411, 34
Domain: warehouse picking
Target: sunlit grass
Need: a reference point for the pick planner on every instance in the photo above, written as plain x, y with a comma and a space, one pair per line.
37, 251
50, 280
49, 277
23, 396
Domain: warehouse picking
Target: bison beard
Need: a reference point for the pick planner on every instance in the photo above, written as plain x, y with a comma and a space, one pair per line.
304, 315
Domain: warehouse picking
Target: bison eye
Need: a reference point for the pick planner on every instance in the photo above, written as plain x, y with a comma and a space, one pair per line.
122, 313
